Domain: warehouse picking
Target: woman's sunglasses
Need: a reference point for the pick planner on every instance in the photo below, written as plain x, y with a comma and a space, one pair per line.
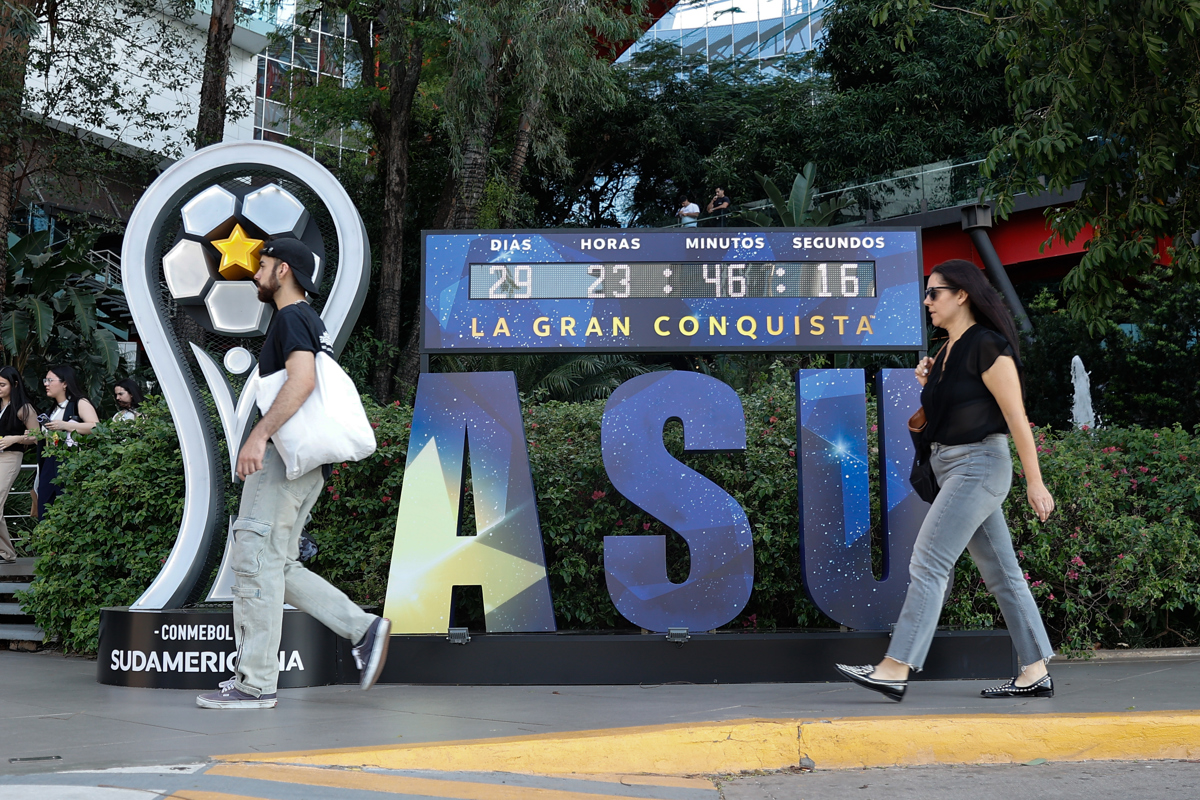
932, 291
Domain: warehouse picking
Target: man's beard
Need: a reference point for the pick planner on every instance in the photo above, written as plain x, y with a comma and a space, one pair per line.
268, 288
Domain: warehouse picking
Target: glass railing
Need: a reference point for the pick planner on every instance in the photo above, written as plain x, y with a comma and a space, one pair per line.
928, 188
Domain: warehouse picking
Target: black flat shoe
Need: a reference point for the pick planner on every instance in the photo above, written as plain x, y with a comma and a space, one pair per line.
893, 690
1043, 688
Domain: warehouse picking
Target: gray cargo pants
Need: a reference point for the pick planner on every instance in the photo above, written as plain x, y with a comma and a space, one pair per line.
264, 557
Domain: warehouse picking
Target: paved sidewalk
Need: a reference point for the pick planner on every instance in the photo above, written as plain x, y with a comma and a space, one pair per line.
55, 712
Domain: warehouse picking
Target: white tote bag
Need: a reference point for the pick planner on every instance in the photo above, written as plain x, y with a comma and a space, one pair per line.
329, 428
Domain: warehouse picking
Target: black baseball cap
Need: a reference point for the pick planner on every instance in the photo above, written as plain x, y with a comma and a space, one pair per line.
300, 258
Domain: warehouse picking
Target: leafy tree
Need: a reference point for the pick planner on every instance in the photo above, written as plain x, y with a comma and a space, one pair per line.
860, 108
1106, 92
49, 314
99, 84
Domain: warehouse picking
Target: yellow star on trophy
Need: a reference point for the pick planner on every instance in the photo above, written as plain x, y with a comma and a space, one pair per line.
239, 255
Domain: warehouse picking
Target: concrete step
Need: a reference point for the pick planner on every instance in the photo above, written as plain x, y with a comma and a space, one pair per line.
22, 633
11, 609
23, 568
8, 587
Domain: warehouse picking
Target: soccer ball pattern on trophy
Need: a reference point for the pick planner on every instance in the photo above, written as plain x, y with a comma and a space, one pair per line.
209, 271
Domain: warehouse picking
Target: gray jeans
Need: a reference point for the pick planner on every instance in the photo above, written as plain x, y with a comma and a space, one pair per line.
266, 546
967, 513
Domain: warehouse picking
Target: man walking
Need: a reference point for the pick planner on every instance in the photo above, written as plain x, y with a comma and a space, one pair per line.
266, 536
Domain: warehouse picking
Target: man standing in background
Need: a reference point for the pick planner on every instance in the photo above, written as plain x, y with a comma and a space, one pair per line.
688, 213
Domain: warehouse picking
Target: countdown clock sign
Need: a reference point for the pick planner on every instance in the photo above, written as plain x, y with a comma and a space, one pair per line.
672, 290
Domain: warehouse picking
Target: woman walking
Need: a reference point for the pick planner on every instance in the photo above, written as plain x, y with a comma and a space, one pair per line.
73, 415
18, 420
972, 396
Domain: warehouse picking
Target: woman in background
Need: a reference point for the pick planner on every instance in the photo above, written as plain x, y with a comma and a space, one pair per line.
73, 415
18, 420
129, 397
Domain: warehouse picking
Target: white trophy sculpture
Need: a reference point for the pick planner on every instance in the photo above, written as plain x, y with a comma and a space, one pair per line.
193, 241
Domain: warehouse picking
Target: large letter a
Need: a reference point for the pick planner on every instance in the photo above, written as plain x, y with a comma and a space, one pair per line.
506, 558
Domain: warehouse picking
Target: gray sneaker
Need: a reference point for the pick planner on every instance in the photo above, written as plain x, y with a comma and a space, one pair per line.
230, 697
371, 652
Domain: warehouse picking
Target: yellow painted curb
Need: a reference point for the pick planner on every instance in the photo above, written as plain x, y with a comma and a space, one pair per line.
753, 744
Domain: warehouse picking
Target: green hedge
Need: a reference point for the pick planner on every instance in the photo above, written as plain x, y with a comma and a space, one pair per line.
106, 537
1118, 562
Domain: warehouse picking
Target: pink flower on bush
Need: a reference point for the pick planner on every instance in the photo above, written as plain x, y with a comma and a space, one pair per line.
1052, 595
596, 495
1120, 555
1089, 483
874, 428
1026, 576
1083, 427
1134, 482
1036, 584
773, 420
1072, 575
1077, 561
620, 523
387, 498
791, 453
1020, 554
645, 526
1143, 470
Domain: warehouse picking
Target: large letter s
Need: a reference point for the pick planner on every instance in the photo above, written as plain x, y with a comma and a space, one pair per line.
710, 521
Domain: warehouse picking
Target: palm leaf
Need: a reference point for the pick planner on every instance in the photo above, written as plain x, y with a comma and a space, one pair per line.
84, 305
107, 349
25, 246
41, 316
802, 193
777, 200
15, 330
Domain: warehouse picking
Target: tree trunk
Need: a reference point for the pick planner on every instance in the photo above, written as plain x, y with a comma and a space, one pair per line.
210, 125
405, 74
410, 360
520, 154
14, 50
524, 138
476, 153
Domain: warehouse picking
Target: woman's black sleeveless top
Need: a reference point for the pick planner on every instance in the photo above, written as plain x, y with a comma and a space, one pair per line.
957, 403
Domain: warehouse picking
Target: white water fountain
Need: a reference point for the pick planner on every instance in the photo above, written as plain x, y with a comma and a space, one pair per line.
1082, 414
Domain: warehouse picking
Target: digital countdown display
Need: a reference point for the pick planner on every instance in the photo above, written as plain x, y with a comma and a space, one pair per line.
693, 280
674, 290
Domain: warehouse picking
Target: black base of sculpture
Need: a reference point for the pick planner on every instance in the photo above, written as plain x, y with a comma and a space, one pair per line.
538, 659
194, 649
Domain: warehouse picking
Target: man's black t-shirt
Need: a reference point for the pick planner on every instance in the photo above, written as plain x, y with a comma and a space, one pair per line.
294, 327
720, 203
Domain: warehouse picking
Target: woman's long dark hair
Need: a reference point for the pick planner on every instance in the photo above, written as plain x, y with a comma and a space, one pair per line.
66, 373
18, 399
135, 391
986, 304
